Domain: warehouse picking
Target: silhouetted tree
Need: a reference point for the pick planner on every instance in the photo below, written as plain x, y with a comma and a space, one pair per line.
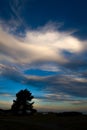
23, 102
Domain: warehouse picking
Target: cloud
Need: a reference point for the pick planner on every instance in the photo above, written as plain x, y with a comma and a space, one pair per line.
16, 8
60, 97
60, 102
74, 85
12, 73
66, 84
79, 102
11, 15
53, 97
5, 94
45, 49
38, 46
69, 84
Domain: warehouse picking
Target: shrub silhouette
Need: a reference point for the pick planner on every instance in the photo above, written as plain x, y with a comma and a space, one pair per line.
23, 103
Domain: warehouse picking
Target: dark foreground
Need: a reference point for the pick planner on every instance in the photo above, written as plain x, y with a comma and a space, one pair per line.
43, 122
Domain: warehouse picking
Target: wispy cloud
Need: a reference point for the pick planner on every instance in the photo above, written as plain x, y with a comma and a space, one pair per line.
16, 7
5, 94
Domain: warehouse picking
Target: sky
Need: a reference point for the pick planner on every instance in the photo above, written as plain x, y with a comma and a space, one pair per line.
43, 48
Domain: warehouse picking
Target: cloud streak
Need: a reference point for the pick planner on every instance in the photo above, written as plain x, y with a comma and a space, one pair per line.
16, 7
63, 83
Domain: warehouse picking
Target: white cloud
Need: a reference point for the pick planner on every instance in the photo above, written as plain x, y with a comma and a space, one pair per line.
38, 45
49, 67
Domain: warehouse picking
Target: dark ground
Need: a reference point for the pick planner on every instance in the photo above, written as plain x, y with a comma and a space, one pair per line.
43, 122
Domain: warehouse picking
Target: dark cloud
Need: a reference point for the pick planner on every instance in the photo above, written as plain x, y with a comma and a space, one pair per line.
69, 84
11, 72
76, 61
61, 97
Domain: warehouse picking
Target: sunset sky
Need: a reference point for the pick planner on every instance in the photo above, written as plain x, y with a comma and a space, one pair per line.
43, 48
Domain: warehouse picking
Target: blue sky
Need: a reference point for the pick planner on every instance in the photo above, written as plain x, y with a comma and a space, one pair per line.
43, 47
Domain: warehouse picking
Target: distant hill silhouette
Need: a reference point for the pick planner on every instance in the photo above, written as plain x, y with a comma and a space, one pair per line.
2, 111
69, 114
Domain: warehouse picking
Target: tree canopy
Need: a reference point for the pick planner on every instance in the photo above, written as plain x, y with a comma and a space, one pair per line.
23, 102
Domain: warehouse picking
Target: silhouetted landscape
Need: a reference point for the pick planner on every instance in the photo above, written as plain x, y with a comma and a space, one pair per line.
41, 121
22, 116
